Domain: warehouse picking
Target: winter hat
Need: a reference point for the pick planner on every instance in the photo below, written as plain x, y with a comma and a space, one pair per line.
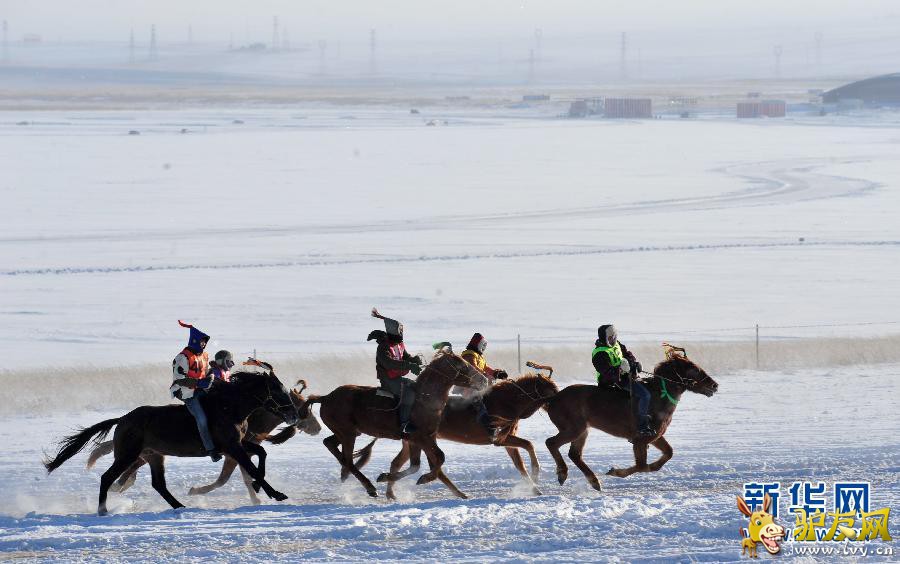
393, 327
605, 333
477, 343
195, 337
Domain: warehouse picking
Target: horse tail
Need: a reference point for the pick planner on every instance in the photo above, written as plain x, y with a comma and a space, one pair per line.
282, 436
365, 453
102, 450
72, 445
314, 399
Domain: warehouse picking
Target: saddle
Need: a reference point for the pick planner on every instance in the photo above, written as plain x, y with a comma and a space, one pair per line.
384, 393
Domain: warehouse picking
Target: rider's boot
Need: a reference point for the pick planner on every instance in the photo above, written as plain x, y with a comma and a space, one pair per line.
645, 431
215, 456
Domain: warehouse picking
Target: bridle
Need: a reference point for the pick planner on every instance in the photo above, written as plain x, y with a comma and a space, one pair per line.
264, 402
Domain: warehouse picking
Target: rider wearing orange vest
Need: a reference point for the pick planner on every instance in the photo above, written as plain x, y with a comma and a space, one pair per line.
392, 363
474, 355
190, 374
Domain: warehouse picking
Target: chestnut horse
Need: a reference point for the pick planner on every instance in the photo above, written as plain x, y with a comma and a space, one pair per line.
259, 425
508, 401
577, 408
353, 410
170, 430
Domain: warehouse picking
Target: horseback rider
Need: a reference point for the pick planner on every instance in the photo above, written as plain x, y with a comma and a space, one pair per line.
474, 355
392, 363
191, 379
221, 366
616, 366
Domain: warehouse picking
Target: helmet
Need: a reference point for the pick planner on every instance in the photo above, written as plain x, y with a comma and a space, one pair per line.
224, 359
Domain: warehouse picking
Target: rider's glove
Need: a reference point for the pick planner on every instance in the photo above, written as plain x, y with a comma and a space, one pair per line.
625, 367
637, 367
501, 374
417, 360
415, 369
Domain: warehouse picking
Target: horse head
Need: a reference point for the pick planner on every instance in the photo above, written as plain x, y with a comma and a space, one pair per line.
677, 368
307, 422
451, 367
268, 392
530, 391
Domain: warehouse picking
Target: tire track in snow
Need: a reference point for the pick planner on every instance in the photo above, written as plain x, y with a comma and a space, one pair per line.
439, 258
768, 183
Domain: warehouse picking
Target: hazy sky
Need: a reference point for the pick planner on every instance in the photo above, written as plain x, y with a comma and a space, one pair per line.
423, 19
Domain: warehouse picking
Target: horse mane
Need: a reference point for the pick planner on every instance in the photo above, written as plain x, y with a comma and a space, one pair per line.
522, 381
673, 360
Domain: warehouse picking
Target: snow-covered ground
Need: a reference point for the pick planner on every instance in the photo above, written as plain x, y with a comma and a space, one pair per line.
281, 232
812, 424
278, 234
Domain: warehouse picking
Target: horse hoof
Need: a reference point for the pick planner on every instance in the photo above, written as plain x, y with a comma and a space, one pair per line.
256, 486
372, 493
193, 491
390, 496
462, 495
562, 478
102, 512
613, 472
596, 485
344, 476
535, 491
278, 496
383, 477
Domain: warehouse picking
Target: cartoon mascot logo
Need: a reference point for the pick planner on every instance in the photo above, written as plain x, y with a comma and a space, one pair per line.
762, 528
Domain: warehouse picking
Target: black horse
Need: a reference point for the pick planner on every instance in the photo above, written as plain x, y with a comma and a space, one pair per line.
171, 431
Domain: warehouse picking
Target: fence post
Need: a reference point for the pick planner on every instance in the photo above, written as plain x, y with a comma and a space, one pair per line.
254, 354
519, 347
757, 346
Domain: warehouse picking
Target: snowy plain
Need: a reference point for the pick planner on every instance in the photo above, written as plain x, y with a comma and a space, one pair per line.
280, 233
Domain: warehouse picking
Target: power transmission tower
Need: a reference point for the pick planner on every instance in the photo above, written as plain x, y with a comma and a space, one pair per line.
538, 47
623, 57
322, 46
153, 53
5, 41
372, 45
131, 47
818, 39
778, 51
530, 66
275, 40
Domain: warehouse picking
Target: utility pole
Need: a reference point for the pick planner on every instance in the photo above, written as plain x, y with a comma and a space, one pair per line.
131, 47
531, 66
623, 54
538, 47
322, 46
153, 53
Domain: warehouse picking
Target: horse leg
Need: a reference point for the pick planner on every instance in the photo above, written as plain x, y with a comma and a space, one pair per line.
255, 448
128, 477
332, 443
575, 451
396, 464
558, 440
640, 462
122, 462
435, 458
248, 482
158, 479
446, 481
227, 469
519, 442
237, 452
408, 452
666, 449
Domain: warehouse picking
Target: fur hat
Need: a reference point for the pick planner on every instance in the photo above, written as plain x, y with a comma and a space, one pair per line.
607, 332
477, 343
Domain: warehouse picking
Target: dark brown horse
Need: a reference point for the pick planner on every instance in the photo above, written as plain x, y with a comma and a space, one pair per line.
260, 423
353, 410
577, 408
171, 431
508, 401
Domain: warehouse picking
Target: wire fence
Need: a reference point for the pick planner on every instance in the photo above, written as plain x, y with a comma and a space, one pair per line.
756, 332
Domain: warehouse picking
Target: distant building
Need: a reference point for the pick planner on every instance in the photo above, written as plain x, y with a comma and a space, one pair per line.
875, 91
764, 108
584, 107
628, 108
535, 98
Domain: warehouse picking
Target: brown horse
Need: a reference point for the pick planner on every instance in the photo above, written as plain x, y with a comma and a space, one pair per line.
170, 430
577, 408
260, 423
508, 401
352, 410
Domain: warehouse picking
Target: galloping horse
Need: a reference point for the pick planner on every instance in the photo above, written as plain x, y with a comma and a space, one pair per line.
171, 431
352, 410
577, 408
260, 423
508, 401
